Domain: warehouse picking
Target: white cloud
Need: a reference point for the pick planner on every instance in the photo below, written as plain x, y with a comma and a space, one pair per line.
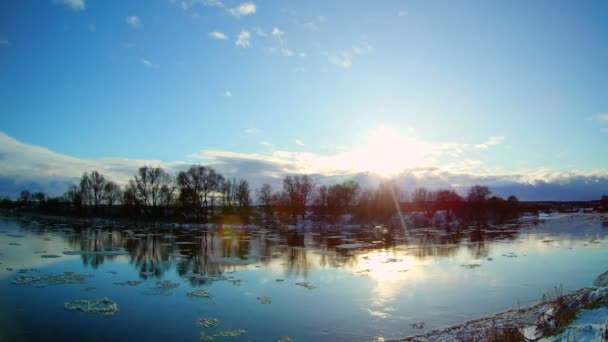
148, 63
187, 4
300, 142
287, 52
276, 32
246, 8
25, 164
310, 26
401, 13
490, 142
259, 31
342, 60
243, 39
218, 35
266, 144
76, 5
134, 21
228, 93
251, 131
345, 58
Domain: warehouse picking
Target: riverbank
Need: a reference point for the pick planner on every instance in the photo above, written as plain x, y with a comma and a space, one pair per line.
581, 315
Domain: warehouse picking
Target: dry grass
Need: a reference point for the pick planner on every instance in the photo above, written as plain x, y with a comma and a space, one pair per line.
563, 312
507, 334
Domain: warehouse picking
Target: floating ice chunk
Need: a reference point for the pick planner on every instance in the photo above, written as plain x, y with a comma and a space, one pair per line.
129, 282
265, 300
103, 306
207, 322
230, 333
306, 285
166, 286
199, 294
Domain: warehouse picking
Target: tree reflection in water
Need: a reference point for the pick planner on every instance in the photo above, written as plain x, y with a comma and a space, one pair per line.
204, 254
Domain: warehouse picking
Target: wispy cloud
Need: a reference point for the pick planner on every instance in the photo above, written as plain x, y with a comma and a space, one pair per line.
267, 144
601, 118
218, 35
311, 26
345, 58
300, 142
4, 42
251, 131
148, 63
188, 4
243, 39
134, 21
401, 13
287, 52
259, 31
75, 5
495, 140
227, 93
276, 32
603, 121
246, 8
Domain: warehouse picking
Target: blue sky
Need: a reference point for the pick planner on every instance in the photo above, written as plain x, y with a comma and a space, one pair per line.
328, 87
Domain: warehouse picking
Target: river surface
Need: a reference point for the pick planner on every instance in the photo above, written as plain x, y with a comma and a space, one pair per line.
356, 284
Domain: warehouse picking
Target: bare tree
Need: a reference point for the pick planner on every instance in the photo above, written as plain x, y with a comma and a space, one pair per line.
450, 201
264, 196
111, 193
73, 196
39, 197
91, 188
477, 198
149, 182
424, 199
243, 194
198, 186
299, 190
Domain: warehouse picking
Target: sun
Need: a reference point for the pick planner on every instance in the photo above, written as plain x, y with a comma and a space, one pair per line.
388, 153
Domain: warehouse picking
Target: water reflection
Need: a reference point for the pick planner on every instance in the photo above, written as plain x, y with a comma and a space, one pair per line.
390, 276
215, 250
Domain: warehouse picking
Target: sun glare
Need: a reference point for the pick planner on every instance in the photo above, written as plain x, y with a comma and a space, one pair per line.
389, 153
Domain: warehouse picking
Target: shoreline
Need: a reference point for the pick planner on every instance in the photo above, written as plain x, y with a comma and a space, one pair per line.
529, 321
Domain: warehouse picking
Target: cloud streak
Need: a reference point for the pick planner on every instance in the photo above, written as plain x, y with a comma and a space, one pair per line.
75, 5
134, 21
246, 8
218, 35
496, 140
345, 58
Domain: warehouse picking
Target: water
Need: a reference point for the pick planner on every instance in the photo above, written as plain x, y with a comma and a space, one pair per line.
398, 278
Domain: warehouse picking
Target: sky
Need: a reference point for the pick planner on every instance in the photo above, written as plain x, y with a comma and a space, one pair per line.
438, 94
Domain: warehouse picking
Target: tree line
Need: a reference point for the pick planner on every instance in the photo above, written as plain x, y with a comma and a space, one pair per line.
201, 194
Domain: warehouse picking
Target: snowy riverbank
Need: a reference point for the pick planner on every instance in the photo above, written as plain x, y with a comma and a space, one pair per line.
540, 322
